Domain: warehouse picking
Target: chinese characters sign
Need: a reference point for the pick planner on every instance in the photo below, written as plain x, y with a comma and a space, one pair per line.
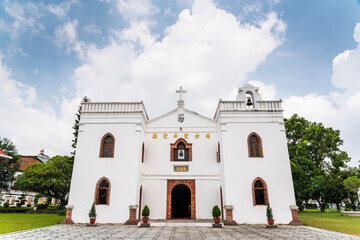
176, 135
181, 168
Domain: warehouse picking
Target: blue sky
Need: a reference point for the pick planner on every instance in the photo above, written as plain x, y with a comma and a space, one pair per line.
54, 52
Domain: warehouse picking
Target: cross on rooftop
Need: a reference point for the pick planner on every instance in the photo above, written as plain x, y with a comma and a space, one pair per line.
180, 91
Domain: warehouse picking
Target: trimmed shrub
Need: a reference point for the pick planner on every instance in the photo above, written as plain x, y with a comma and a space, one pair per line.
146, 211
311, 206
59, 208
269, 213
13, 209
92, 213
6, 205
216, 211
52, 208
42, 206
62, 212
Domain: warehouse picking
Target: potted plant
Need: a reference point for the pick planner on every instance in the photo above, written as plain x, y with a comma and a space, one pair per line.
145, 213
269, 215
92, 214
216, 214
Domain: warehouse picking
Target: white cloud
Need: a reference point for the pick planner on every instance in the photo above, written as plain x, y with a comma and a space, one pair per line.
255, 7
338, 110
207, 51
66, 36
62, 9
92, 29
312, 106
136, 9
66, 33
267, 91
25, 17
346, 67
36, 126
138, 32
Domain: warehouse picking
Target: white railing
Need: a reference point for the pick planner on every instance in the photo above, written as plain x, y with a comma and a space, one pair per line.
268, 105
92, 107
232, 105
274, 105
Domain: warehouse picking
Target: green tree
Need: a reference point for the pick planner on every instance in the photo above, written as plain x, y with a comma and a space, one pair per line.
8, 167
315, 158
352, 185
336, 190
51, 179
76, 125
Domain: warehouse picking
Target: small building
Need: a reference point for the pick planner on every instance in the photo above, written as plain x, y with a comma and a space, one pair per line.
181, 164
13, 196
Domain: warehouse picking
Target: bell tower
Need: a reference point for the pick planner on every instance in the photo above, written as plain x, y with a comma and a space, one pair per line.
249, 94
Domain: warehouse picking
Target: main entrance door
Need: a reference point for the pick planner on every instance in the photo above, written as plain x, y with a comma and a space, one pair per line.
180, 202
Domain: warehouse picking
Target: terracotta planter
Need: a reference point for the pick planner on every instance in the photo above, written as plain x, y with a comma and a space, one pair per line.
145, 219
216, 220
270, 221
92, 220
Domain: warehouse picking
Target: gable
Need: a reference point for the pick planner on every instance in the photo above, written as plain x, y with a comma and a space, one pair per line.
181, 117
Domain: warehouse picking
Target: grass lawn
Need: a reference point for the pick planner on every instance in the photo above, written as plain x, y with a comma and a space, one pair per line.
10, 222
331, 221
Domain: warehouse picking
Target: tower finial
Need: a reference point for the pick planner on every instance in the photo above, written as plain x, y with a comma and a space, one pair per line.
180, 101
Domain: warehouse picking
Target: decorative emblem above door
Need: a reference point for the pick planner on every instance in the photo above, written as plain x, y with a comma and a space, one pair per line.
181, 117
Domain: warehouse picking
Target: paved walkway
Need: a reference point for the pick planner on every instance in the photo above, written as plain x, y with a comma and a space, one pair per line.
174, 231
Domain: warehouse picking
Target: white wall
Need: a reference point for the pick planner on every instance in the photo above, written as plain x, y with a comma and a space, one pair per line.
273, 168
207, 196
154, 195
204, 168
121, 170
235, 173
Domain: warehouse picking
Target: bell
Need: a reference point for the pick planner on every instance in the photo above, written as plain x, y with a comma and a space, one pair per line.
249, 103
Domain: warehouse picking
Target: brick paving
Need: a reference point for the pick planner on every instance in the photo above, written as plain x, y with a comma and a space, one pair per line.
174, 231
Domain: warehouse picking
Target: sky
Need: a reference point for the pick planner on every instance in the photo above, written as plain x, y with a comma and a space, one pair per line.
52, 53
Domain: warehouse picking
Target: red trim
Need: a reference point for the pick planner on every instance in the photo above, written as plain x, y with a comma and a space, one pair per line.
143, 152
218, 156
191, 185
97, 190
266, 197
174, 146
222, 204
259, 142
140, 197
102, 145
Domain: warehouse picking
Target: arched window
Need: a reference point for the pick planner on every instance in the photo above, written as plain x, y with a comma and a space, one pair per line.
255, 145
140, 197
180, 151
107, 146
260, 195
142, 152
102, 195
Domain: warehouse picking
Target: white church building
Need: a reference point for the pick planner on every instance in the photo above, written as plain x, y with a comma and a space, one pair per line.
182, 164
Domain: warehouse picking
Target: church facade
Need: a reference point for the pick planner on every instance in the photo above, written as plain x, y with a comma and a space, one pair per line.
182, 164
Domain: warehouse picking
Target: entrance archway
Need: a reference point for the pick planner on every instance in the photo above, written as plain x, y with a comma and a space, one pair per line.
190, 185
181, 202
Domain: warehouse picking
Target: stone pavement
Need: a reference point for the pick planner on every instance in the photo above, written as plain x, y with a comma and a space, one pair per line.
174, 231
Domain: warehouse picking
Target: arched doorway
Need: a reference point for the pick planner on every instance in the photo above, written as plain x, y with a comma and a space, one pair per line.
181, 202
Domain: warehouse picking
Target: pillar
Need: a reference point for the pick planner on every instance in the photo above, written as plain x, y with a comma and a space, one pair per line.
294, 213
229, 215
132, 216
68, 219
